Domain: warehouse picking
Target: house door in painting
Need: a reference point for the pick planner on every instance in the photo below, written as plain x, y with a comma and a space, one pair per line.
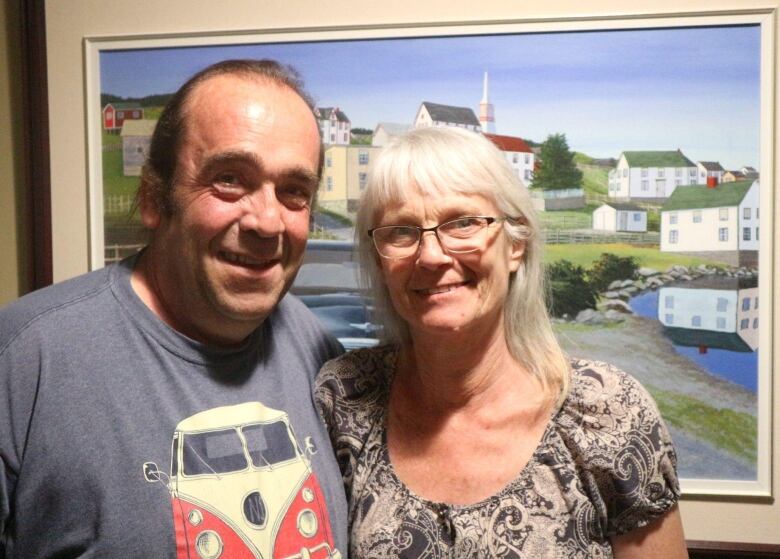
622, 221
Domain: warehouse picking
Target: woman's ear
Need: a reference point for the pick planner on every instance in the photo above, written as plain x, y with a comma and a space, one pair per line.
516, 254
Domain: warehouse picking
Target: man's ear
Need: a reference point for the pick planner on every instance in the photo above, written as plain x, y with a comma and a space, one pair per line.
149, 199
516, 253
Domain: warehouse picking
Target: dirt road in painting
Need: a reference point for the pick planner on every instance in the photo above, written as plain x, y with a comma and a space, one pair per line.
639, 347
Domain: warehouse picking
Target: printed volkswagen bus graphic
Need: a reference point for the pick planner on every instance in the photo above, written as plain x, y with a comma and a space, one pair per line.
241, 487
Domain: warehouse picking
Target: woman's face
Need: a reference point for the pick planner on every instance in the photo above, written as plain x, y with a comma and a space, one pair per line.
438, 292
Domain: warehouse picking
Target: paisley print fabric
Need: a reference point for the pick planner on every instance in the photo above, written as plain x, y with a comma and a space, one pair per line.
604, 466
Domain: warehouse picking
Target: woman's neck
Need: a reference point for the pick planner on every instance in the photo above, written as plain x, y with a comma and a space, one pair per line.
457, 371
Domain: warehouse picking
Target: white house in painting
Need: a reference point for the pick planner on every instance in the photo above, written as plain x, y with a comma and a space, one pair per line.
518, 153
651, 175
136, 139
620, 217
433, 114
335, 127
386, 131
721, 222
711, 312
710, 172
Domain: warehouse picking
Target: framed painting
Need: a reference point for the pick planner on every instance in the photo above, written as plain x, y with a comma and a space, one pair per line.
660, 221
666, 110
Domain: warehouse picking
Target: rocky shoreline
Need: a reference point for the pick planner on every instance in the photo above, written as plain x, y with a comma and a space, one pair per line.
613, 306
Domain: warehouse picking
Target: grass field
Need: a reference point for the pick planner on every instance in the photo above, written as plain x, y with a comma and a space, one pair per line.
585, 254
595, 180
724, 428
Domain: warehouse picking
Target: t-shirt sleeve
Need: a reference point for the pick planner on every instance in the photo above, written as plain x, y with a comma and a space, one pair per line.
18, 386
628, 450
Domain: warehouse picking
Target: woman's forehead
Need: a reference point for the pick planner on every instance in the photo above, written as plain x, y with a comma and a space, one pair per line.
436, 205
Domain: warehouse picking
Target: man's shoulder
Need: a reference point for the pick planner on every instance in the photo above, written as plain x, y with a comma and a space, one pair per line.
48, 303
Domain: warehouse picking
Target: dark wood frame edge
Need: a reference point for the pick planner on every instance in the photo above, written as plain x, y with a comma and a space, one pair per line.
35, 117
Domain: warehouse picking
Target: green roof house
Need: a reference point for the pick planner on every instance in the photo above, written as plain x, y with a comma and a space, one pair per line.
650, 175
718, 221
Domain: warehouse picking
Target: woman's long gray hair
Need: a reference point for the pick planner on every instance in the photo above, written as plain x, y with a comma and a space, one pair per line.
454, 160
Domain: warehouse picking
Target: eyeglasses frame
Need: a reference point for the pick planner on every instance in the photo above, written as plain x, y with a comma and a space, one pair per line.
490, 221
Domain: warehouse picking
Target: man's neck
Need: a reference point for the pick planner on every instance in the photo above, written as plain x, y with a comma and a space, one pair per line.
151, 288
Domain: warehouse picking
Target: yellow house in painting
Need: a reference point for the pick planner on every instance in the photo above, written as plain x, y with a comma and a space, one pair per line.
344, 176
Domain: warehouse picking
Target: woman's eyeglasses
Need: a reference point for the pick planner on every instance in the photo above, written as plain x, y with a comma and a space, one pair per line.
459, 236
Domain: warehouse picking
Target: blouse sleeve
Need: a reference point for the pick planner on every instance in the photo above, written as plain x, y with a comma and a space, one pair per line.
629, 458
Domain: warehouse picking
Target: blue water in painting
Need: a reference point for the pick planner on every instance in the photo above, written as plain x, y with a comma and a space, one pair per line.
737, 367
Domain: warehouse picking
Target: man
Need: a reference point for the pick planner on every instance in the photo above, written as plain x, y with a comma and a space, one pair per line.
163, 406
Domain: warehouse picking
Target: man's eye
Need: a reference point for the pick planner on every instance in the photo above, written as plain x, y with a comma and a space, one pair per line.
228, 183
295, 197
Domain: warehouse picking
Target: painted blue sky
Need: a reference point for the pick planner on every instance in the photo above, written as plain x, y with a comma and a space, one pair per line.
696, 89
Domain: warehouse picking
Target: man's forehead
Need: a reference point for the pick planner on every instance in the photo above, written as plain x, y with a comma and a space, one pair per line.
214, 90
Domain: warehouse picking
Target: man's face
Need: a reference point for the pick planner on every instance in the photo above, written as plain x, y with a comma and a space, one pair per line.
246, 175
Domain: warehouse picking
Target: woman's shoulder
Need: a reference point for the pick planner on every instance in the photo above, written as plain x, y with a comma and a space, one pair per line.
609, 426
358, 374
608, 412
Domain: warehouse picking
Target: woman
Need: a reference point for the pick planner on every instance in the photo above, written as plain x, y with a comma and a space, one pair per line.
470, 434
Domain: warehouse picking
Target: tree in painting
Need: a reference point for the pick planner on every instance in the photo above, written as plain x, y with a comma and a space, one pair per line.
557, 169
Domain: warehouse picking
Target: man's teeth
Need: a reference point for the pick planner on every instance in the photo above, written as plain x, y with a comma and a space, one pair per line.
243, 260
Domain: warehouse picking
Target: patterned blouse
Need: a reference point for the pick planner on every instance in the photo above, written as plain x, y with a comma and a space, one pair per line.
604, 466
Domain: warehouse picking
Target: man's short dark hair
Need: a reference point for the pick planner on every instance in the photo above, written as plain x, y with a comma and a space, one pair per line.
159, 172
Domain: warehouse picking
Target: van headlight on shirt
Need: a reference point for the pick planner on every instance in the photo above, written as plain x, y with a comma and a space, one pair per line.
307, 523
208, 544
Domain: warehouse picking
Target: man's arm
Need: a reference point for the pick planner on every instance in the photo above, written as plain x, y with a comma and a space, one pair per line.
661, 538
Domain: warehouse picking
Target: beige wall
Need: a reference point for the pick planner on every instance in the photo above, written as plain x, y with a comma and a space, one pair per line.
69, 21
12, 215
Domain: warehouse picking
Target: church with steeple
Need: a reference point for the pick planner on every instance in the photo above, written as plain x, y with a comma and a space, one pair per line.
486, 115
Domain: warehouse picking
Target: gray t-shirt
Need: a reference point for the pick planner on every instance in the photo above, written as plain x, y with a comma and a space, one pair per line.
119, 437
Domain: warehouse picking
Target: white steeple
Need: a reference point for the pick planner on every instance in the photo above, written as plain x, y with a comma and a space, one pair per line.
486, 118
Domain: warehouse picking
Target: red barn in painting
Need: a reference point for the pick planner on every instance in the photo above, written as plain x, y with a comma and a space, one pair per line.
115, 114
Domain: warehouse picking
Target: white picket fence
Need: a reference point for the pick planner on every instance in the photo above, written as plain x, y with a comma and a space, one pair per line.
114, 204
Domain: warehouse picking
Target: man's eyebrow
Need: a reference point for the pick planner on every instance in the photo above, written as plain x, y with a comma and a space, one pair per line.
252, 159
235, 157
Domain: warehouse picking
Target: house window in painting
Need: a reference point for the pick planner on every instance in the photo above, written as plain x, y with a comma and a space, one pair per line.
669, 319
721, 323
697, 216
723, 234
744, 324
696, 320
669, 301
329, 183
746, 233
645, 185
362, 179
746, 213
723, 304
746, 304
673, 235
723, 214
363, 158
673, 218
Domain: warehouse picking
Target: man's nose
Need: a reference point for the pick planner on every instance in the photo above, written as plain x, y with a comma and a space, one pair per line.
432, 253
263, 212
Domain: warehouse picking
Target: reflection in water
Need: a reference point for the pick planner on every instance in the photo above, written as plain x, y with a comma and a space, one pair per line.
711, 320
